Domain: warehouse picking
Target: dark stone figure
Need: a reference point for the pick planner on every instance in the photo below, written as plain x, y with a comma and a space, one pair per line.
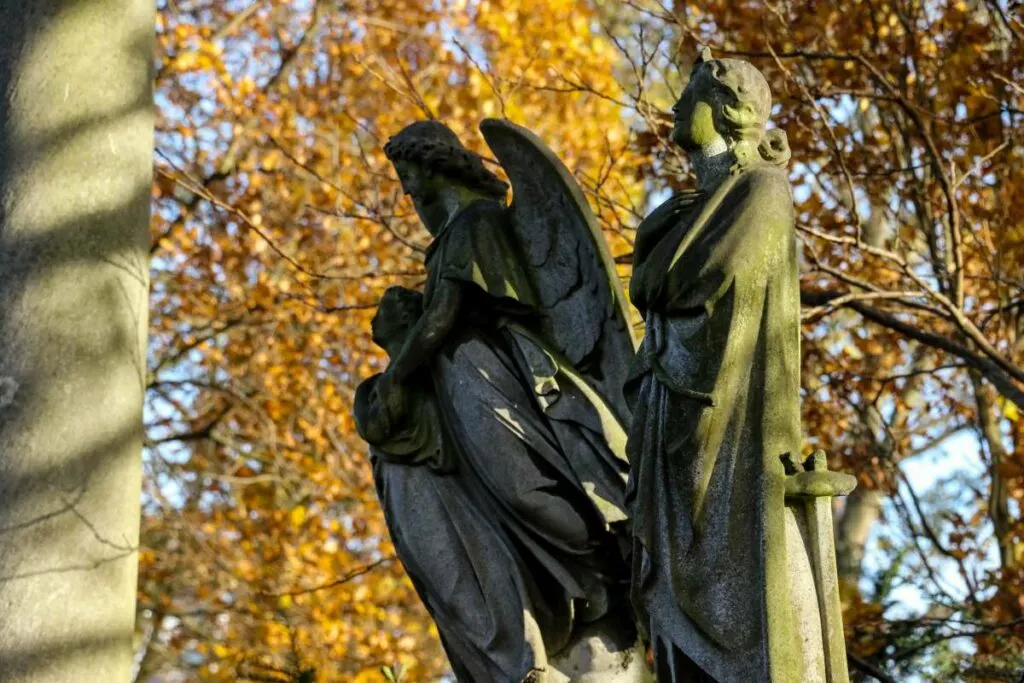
497, 431
723, 579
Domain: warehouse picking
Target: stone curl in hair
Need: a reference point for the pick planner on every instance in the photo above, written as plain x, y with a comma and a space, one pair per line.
433, 146
744, 104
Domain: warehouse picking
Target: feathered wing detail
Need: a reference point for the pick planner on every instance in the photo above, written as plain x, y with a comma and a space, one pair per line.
586, 316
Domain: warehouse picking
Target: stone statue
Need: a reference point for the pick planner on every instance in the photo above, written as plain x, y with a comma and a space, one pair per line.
726, 562
497, 432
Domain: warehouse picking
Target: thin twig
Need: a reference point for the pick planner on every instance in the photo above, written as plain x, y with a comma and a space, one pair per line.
337, 582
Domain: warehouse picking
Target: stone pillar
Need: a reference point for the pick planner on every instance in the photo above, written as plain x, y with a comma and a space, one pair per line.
76, 140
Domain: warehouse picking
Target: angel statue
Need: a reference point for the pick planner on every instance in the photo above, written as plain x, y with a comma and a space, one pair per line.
497, 432
733, 572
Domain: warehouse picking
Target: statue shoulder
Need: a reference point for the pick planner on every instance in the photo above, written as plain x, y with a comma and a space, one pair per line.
470, 228
476, 231
478, 248
481, 214
765, 183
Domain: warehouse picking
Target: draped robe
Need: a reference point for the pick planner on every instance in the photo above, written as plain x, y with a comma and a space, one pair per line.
507, 530
714, 391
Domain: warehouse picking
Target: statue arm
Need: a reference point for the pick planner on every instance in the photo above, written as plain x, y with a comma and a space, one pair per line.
653, 228
430, 331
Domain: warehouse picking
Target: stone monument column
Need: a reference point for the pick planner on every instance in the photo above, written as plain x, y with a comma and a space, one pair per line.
76, 161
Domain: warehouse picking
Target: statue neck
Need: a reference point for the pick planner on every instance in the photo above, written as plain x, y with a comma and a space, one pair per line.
437, 210
712, 164
454, 199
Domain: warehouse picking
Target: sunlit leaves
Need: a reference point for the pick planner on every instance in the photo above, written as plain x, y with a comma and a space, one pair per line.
278, 223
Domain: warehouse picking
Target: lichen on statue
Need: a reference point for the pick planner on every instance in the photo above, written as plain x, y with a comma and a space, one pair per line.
714, 390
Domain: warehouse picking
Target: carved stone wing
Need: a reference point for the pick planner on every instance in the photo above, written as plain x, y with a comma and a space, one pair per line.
575, 283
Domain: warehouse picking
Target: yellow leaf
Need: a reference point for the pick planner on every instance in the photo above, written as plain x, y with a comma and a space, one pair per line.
187, 60
369, 676
1010, 410
297, 516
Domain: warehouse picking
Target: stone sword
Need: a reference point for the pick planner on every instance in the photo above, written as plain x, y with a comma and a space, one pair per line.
813, 485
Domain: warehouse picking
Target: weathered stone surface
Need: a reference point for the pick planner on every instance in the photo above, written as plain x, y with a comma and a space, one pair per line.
605, 652
804, 595
499, 463
724, 577
76, 158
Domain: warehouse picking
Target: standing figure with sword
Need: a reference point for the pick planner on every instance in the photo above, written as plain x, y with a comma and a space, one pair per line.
733, 565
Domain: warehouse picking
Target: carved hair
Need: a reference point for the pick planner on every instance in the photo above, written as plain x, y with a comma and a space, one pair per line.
434, 146
743, 104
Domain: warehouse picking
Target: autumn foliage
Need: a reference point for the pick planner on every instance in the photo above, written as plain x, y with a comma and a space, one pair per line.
278, 222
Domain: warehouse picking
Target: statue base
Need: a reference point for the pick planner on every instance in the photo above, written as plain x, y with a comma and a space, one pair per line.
606, 651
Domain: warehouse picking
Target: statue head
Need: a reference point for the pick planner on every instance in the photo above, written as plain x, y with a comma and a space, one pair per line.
431, 161
398, 311
727, 103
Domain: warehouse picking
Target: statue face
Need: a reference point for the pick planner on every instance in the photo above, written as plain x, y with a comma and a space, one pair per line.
695, 117
412, 176
421, 185
387, 332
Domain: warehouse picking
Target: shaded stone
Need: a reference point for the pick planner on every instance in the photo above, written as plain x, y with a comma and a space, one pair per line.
498, 431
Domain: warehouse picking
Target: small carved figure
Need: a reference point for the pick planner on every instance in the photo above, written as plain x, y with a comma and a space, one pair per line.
722, 579
456, 554
497, 430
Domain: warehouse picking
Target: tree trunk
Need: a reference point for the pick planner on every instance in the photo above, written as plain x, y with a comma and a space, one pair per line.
860, 512
989, 417
864, 506
76, 129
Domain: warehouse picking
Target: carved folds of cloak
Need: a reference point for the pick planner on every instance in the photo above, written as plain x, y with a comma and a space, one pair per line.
714, 391
507, 524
